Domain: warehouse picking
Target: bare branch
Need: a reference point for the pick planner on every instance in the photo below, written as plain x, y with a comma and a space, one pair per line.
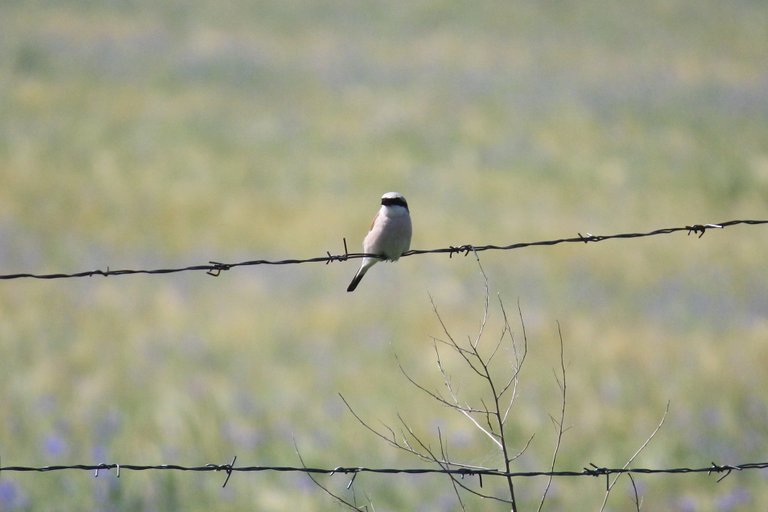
634, 455
392, 441
488, 433
491, 412
486, 302
464, 353
523, 449
638, 500
445, 464
324, 488
519, 358
444, 454
563, 387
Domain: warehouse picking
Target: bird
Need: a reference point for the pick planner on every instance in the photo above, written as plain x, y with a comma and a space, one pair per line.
389, 236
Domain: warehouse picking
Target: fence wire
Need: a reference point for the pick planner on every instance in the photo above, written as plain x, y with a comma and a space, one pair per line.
592, 471
215, 268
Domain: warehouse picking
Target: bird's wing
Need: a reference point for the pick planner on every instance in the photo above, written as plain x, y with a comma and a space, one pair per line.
373, 222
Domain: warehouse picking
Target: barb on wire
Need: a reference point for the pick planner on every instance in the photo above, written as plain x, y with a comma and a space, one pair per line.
228, 468
215, 268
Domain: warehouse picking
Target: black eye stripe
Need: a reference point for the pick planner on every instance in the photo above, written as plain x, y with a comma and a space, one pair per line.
390, 201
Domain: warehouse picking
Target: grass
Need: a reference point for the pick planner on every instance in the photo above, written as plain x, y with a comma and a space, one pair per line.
145, 135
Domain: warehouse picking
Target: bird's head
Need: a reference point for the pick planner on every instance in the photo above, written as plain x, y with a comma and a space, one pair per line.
394, 199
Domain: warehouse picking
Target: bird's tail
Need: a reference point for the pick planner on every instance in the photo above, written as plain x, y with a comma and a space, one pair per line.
358, 277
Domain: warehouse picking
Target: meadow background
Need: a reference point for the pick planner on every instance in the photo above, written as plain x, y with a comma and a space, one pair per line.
144, 134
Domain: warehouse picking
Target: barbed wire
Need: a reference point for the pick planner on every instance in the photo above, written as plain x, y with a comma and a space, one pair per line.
215, 268
591, 471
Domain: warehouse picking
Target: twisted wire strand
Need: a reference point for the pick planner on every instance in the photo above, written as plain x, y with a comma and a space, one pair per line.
215, 268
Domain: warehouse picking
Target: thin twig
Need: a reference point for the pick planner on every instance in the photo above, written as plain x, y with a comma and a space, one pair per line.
519, 359
444, 455
559, 423
632, 458
321, 486
496, 413
638, 500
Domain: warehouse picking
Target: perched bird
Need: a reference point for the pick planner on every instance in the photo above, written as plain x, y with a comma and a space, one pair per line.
389, 236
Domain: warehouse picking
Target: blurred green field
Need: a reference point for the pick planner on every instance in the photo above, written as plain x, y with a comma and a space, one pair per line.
142, 135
